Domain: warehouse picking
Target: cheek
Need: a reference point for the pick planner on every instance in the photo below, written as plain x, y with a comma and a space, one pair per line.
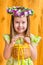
25, 25
16, 25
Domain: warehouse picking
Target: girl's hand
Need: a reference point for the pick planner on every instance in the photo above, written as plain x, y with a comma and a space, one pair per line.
14, 39
27, 39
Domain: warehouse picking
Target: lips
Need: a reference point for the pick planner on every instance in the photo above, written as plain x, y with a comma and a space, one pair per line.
19, 28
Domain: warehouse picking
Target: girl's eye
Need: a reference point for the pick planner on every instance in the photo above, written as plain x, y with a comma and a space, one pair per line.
17, 22
23, 22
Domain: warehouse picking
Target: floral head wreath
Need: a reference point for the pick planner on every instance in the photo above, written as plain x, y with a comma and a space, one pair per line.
19, 11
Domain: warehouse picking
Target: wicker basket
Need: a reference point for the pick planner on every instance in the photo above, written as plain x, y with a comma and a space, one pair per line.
21, 51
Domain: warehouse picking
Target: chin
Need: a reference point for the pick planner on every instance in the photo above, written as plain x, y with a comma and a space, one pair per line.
20, 32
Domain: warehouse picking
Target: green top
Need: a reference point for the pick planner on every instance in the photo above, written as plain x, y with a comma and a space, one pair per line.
33, 38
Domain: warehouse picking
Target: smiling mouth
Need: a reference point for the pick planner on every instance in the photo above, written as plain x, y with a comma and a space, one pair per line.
19, 28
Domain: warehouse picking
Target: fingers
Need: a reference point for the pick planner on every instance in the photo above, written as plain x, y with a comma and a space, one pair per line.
27, 39
13, 40
12, 44
16, 37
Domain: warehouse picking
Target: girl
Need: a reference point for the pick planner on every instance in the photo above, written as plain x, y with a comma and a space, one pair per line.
20, 27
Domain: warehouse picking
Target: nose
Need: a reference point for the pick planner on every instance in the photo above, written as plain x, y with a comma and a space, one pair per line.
20, 24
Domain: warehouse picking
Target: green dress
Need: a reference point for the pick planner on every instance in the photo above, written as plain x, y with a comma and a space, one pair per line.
11, 61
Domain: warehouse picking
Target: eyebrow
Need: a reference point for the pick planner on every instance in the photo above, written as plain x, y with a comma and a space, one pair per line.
20, 21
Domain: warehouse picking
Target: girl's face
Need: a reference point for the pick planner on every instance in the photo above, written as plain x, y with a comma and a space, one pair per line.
20, 24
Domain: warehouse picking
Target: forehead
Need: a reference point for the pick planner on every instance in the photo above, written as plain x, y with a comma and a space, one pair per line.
20, 18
